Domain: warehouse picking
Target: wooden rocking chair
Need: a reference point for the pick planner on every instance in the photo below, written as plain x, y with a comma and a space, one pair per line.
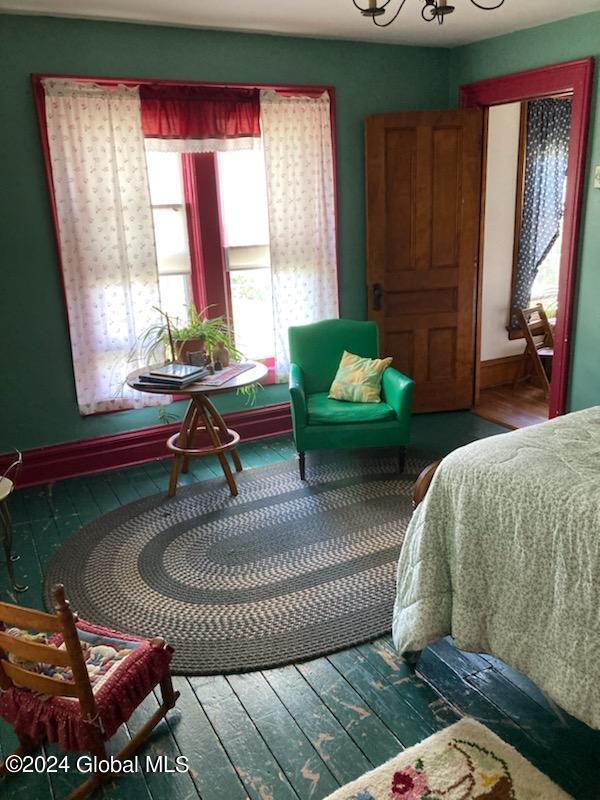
47, 692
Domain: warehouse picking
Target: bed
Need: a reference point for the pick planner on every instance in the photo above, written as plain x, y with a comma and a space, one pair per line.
504, 554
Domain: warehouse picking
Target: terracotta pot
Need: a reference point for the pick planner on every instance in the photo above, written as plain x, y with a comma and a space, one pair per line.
185, 346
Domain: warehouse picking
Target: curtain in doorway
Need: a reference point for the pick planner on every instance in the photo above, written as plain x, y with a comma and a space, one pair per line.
106, 235
548, 128
298, 152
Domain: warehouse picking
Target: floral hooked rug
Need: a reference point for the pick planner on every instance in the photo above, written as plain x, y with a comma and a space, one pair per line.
463, 762
285, 571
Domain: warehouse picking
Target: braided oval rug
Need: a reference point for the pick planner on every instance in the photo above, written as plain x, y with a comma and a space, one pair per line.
286, 571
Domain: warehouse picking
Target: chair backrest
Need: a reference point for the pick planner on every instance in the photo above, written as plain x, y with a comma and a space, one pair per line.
534, 322
31, 653
13, 469
318, 348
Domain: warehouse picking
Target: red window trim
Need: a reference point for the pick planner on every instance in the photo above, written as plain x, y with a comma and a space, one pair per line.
201, 292
190, 194
211, 284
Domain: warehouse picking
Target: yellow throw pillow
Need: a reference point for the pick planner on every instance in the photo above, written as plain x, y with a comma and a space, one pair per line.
358, 380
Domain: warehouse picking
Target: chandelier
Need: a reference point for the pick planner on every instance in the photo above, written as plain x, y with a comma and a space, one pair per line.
431, 11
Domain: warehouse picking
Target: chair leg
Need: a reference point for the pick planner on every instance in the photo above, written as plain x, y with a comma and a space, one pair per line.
169, 698
401, 459
169, 695
302, 464
7, 542
520, 374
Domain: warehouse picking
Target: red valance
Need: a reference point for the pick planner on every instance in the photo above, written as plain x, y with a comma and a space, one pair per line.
199, 112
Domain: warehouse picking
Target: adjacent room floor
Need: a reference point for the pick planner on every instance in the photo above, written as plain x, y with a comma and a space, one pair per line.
302, 730
520, 407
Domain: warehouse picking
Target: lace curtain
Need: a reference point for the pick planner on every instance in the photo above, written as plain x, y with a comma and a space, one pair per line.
298, 152
106, 235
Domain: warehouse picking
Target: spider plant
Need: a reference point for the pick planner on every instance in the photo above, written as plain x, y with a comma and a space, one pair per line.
167, 339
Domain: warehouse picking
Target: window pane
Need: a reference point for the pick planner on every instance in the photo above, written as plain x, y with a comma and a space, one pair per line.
243, 195
247, 257
164, 175
545, 286
170, 234
175, 295
253, 312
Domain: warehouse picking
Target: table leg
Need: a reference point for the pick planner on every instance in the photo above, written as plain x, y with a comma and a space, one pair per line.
191, 433
204, 406
181, 442
223, 428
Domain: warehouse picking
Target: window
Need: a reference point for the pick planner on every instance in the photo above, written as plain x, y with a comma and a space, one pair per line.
194, 152
242, 236
170, 232
243, 201
545, 285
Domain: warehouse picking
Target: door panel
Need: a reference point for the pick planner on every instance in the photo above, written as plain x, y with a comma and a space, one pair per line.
423, 205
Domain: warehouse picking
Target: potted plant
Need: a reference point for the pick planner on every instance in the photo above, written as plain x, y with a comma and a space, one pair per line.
175, 339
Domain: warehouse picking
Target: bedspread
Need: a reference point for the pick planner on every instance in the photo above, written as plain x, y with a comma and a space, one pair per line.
504, 554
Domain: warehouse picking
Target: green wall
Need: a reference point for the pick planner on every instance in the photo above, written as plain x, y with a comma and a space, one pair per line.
550, 44
37, 399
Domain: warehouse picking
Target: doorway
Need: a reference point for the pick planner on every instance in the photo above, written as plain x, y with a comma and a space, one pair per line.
508, 103
526, 157
424, 245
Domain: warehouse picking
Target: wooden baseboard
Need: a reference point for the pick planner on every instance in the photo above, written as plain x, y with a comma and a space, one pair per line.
52, 463
498, 371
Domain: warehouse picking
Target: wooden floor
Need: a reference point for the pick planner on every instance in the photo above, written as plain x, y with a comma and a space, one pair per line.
516, 408
302, 730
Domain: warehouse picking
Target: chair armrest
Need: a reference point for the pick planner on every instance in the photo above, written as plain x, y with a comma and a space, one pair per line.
297, 396
397, 390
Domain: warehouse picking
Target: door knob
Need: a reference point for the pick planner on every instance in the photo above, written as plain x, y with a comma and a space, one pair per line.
377, 301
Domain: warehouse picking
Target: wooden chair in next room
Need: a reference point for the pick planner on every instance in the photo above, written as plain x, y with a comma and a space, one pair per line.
534, 323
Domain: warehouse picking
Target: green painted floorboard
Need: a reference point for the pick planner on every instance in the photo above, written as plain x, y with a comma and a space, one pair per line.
298, 732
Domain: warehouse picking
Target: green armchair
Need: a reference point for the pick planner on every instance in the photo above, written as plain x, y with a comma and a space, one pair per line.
323, 424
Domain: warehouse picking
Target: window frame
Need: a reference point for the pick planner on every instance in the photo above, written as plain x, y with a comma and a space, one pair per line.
205, 235
210, 278
183, 207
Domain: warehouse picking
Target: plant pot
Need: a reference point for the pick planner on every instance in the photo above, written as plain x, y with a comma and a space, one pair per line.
185, 346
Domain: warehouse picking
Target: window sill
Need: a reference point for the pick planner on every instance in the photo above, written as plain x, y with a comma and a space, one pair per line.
269, 378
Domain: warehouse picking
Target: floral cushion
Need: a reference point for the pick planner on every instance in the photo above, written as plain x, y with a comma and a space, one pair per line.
358, 380
102, 654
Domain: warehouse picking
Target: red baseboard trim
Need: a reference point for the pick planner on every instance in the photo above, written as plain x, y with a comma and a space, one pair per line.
84, 457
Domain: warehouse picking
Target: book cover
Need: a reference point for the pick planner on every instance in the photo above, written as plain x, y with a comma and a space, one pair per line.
177, 371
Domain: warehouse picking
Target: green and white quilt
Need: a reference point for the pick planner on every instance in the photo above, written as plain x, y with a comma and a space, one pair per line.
504, 554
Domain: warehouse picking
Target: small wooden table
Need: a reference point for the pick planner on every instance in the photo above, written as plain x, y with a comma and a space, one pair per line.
201, 415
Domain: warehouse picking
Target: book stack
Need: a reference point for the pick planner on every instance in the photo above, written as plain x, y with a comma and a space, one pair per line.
170, 376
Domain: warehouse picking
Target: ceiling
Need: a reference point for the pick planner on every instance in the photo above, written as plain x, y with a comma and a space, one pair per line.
321, 18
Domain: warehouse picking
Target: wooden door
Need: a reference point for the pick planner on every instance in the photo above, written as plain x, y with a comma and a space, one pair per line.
423, 174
